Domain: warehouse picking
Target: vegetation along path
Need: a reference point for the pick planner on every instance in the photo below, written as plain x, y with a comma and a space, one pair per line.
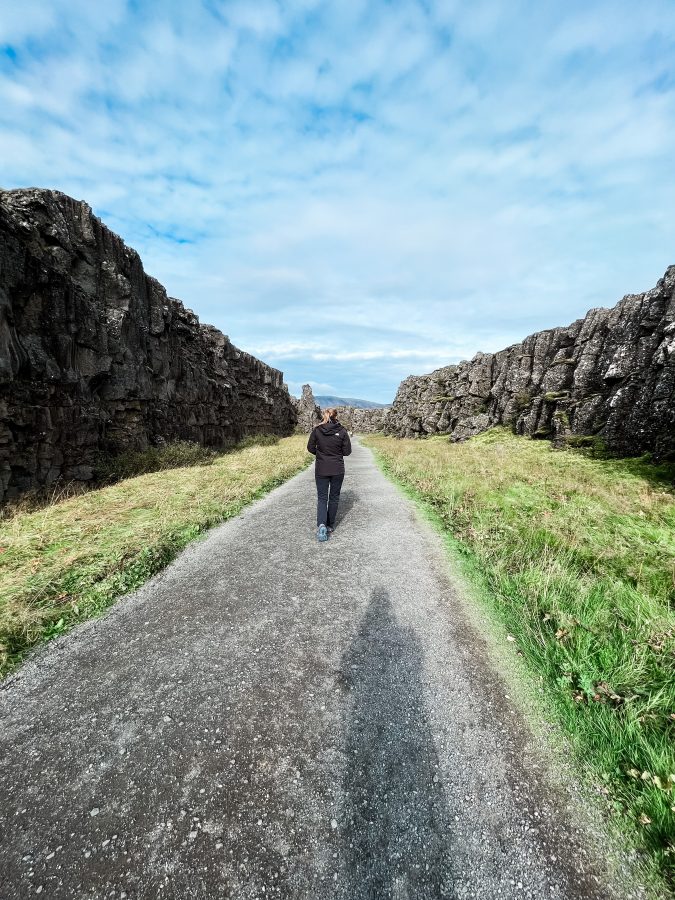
273, 717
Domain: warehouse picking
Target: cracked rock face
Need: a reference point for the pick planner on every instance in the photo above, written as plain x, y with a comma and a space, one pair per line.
610, 375
94, 356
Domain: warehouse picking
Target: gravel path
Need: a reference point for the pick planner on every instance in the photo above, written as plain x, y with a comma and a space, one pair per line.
277, 718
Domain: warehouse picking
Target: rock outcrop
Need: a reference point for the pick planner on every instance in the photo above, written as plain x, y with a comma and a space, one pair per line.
94, 356
362, 421
608, 376
307, 410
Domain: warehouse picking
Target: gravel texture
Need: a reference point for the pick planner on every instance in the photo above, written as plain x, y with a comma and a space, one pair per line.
276, 718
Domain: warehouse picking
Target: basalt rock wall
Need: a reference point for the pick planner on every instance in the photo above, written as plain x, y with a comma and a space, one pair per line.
94, 356
610, 375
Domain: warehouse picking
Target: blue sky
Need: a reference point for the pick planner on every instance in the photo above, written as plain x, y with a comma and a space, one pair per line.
358, 191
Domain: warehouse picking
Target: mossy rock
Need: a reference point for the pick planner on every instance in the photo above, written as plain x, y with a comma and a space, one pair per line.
553, 396
522, 401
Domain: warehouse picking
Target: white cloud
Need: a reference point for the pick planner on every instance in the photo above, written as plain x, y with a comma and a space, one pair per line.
361, 189
280, 352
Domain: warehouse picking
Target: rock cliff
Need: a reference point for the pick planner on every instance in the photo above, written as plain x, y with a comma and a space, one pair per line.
94, 356
608, 376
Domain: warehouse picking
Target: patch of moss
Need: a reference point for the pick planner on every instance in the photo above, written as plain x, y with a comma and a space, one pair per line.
592, 442
552, 396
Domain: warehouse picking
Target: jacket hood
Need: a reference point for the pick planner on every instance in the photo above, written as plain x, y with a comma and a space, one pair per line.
330, 427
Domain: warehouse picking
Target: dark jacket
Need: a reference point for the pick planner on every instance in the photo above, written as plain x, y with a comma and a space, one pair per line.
329, 443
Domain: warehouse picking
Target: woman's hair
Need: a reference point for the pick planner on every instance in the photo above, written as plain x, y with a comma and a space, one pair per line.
329, 414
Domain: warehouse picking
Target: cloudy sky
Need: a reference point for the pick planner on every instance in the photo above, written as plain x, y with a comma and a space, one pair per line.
358, 190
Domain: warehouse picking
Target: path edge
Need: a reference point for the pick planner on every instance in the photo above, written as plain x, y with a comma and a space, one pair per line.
165, 560
564, 766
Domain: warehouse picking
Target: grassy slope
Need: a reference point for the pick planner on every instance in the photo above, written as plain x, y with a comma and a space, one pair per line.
66, 562
578, 556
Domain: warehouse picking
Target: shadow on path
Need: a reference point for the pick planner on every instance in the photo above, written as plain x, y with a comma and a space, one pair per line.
348, 500
397, 825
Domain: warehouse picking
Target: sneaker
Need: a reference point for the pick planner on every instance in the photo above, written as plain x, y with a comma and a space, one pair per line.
330, 529
322, 533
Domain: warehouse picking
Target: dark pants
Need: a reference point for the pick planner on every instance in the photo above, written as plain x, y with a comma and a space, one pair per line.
328, 493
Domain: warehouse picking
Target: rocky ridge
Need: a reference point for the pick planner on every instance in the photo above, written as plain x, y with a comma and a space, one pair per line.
350, 401
608, 377
94, 356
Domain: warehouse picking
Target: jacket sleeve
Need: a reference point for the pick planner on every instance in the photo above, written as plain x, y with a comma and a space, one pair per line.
311, 443
346, 443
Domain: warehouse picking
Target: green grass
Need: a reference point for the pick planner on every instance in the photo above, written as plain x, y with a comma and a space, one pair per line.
66, 561
576, 556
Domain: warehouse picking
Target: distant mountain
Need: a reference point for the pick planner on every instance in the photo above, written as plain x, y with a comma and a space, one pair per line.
350, 401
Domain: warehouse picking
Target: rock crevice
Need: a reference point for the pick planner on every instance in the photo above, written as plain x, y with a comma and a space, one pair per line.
94, 356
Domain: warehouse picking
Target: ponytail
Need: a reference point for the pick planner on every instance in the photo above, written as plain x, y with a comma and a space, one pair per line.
329, 414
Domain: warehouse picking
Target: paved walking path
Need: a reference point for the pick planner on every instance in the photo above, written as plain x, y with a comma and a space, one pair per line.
277, 718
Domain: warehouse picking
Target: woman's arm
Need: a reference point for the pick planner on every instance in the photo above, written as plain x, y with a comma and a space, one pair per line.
346, 443
311, 443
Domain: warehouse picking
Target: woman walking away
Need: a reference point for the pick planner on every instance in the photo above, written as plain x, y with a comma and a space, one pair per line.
329, 442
